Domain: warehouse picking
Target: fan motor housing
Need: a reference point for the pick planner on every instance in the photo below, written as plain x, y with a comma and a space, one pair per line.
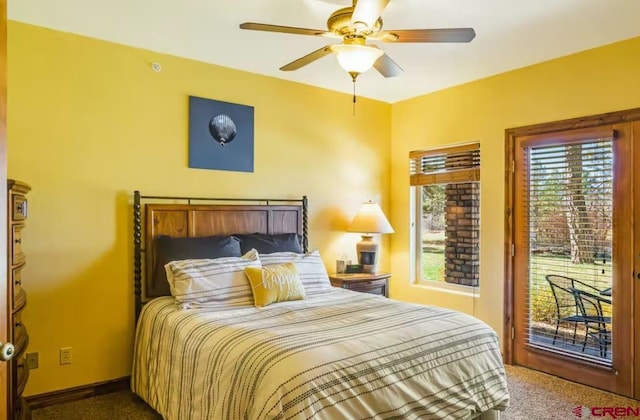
340, 24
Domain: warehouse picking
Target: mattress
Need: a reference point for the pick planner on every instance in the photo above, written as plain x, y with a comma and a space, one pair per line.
335, 355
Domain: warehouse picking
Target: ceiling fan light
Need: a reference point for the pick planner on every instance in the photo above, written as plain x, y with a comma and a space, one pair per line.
356, 59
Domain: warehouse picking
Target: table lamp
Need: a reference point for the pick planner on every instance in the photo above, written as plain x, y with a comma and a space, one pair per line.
369, 220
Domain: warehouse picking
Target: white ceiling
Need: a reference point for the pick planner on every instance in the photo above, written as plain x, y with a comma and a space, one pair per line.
510, 34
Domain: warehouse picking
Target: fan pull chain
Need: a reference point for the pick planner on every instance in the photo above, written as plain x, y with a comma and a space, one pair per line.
354, 97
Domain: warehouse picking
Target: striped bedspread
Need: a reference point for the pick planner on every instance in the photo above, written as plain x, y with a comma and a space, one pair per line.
335, 355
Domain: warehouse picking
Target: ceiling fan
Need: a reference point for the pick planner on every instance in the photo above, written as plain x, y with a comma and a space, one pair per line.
356, 25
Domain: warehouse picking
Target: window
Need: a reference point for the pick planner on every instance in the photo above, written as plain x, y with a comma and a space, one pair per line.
446, 182
569, 192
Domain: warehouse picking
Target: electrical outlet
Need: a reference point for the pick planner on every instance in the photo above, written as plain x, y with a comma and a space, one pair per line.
65, 356
32, 360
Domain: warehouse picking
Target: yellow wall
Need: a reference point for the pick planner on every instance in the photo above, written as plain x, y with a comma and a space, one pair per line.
596, 81
89, 122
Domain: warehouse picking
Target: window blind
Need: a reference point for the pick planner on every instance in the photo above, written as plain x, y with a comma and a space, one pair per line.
445, 165
569, 226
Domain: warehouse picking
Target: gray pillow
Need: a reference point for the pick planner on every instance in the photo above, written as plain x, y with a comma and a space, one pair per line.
268, 244
167, 249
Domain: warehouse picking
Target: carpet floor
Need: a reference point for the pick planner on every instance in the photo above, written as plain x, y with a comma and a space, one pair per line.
534, 396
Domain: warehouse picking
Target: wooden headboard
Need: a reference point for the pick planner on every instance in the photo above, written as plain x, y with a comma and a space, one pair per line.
197, 217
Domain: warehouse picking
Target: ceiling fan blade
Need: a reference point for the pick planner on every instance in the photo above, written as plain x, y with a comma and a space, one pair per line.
282, 29
367, 12
387, 67
428, 35
307, 59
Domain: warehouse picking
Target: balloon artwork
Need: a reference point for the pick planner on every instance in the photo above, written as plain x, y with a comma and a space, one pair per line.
222, 129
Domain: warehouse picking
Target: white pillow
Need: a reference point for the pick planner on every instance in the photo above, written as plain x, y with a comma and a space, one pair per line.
211, 282
313, 274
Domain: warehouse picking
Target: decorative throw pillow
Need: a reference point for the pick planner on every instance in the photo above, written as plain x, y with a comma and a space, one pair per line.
202, 283
267, 244
275, 283
167, 249
311, 270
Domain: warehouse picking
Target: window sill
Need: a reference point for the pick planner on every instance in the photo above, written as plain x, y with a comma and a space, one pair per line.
455, 289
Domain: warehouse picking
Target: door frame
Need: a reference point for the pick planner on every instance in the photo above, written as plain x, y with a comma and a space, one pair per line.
511, 135
4, 332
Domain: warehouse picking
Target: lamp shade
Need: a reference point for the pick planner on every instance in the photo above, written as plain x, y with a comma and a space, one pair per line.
370, 219
354, 58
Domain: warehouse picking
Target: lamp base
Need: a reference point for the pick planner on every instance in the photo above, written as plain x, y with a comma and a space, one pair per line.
367, 251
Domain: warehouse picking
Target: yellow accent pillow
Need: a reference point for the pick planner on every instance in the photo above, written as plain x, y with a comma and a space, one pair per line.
275, 283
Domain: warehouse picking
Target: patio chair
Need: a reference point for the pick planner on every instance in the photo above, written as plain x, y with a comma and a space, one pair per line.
590, 308
566, 303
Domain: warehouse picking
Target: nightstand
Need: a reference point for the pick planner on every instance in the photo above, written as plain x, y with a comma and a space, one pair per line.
377, 284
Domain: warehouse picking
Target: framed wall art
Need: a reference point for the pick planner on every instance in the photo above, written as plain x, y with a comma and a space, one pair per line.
220, 135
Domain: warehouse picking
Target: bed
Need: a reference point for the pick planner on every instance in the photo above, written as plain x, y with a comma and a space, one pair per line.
336, 354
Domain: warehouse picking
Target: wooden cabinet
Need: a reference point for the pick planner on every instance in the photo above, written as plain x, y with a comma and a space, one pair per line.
18, 372
377, 284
